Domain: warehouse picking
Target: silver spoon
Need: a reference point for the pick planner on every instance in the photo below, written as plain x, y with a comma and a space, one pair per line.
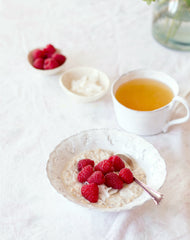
156, 196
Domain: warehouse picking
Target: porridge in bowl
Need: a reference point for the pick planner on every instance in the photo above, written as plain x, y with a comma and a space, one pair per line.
108, 197
99, 144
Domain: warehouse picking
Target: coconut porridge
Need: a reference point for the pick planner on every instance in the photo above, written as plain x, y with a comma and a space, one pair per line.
108, 197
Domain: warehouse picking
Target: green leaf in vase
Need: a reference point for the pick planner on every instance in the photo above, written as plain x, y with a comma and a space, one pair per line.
188, 2
149, 1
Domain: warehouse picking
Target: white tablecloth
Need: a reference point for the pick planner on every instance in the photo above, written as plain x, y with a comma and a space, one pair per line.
35, 115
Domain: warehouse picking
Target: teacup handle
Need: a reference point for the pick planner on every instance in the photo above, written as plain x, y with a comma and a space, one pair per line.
178, 120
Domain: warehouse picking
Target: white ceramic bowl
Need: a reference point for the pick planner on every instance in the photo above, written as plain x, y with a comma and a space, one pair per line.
48, 71
76, 74
109, 139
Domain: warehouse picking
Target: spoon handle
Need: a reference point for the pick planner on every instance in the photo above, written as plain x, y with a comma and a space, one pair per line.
156, 196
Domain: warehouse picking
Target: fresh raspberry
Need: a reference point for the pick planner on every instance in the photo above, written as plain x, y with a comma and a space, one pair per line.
84, 162
85, 173
113, 180
90, 192
38, 63
37, 53
96, 177
59, 58
50, 63
117, 162
126, 175
104, 166
49, 50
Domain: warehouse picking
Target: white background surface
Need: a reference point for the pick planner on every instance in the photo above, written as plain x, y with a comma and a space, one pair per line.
35, 115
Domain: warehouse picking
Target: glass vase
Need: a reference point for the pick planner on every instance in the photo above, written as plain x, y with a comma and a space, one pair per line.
171, 23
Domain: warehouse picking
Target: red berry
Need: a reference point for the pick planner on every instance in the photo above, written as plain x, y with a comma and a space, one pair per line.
97, 177
90, 192
104, 166
117, 162
49, 50
113, 180
59, 58
84, 162
38, 63
50, 63
37, 53
126, 175
85, 173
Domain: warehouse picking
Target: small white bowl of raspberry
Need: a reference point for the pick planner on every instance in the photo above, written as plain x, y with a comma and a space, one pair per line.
48, 60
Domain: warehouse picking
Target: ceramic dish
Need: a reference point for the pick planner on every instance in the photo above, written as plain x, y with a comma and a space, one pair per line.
143, 122
85, 78
113, 140
46, 72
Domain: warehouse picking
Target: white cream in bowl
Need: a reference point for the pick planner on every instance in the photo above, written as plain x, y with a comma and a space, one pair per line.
84, 84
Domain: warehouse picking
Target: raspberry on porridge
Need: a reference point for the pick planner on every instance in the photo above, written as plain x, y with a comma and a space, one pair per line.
108, 197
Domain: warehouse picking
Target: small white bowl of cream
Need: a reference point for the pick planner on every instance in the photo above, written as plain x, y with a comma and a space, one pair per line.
85, 84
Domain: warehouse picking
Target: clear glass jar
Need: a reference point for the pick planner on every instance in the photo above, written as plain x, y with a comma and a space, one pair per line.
171, 23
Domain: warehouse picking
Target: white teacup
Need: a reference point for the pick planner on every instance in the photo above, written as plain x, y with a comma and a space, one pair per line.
148, 122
